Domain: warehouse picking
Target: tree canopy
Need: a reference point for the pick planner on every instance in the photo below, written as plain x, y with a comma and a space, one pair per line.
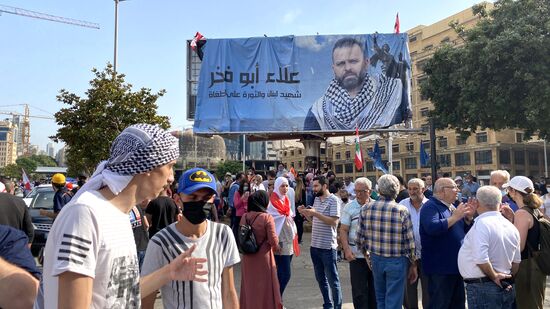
89, 125
500, 77
29, 164
228, 166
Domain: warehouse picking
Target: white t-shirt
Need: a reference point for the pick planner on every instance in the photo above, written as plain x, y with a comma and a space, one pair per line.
92, 237
493, 239
217, 245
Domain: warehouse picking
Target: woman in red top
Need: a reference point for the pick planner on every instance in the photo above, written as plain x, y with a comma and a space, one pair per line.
240, 200
259, 283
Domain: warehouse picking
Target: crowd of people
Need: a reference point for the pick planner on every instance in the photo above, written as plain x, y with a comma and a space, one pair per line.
132, 232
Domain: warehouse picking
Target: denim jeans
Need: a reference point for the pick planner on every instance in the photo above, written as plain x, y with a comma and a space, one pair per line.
326, 273
283, 270
141, 257
390, 274
489, 295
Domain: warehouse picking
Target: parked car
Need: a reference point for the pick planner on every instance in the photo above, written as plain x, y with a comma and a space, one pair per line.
42, 198
34, 191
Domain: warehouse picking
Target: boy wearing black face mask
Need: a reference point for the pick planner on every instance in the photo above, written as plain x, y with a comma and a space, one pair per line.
214, 241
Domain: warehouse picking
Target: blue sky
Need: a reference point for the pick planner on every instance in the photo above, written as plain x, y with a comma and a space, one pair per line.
38, 57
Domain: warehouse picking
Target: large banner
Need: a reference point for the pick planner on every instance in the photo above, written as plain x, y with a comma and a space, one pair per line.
295, 84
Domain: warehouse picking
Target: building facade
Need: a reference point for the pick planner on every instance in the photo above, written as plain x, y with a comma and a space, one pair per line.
8, 144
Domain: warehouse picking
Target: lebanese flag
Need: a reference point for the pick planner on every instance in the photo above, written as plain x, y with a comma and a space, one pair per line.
198, 37
396, 26
26, 180
358, 156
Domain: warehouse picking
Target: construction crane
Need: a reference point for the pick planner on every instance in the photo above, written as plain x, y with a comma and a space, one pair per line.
38, 15
25, 127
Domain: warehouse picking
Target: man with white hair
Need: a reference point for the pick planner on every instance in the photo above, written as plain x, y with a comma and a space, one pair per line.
414, 204
386, 233
442, 229
362, 281
490, 254
90, 258
498, 179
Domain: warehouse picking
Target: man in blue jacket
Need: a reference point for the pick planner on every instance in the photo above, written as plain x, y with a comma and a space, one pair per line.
442, 230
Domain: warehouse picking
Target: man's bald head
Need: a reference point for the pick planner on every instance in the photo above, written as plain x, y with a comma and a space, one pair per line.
445, 189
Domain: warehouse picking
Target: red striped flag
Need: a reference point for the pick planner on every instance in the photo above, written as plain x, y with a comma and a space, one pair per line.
396, 26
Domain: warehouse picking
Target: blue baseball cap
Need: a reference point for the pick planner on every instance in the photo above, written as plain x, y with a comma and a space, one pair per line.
195, 179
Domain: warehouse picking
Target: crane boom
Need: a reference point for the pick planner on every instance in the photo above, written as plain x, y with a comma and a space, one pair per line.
38, 15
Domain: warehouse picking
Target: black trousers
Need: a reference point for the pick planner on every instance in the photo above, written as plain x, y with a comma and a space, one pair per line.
362, 285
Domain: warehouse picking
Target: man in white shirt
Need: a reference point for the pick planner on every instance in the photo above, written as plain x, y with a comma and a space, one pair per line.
490, 254
414, 204
362, 281
350, 187
90, 259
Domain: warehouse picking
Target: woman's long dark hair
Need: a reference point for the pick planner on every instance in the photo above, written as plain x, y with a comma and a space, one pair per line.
258, 201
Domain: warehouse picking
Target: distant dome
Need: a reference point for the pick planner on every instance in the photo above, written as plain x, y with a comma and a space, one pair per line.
207, 147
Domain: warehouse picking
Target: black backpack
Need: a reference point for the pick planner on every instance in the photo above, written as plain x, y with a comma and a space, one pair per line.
541, 255
246, 239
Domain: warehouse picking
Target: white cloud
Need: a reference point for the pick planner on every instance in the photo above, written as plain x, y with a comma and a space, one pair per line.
291, 16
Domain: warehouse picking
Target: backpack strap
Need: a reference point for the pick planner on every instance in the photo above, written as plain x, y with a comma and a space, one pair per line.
536, 216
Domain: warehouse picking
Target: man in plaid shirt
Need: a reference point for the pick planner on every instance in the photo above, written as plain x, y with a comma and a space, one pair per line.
386, 234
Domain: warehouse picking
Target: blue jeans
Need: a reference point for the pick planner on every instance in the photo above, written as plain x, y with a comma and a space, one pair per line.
283, 270
390, 274
141, 257
326, 273
489, 295
446, 292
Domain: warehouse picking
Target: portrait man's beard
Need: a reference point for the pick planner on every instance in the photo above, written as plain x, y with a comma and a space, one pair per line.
351, 80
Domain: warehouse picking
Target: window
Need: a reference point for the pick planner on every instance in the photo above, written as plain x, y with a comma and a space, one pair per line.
481, 137
300, 151
410, 163
292, 152
426, 144
460, 140
412, 39
424, 112
382, 149
338, 156
420, 65
395, 148
444, 160
349, 168
442, 142
484, 157
323, 151
285, 153
446, 40
462, 158
413, 54
370, 166
410, 146
533, 158
519, 137
339, 168
504, 156
425, 127
348, 154
409, 176
428, 47
396, 166
519, 158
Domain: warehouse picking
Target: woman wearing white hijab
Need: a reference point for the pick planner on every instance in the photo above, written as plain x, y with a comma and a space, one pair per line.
279, 208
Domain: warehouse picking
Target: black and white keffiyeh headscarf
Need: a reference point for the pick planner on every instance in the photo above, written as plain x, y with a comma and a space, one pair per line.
138, 149
346, 109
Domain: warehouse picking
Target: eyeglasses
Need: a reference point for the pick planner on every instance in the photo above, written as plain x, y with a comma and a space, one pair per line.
451, 187
360, 191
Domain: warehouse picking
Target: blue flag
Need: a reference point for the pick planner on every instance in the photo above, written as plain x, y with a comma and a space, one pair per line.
376, 157
424, 156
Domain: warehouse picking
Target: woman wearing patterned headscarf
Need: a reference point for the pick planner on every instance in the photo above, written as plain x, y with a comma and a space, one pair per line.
90, 251
259, 282
279, 208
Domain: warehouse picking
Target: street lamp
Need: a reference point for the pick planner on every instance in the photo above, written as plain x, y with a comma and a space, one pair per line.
116, 32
